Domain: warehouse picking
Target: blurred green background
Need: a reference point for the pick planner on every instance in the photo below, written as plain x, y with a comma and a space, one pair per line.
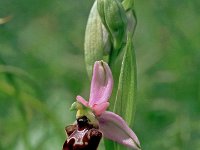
42, 70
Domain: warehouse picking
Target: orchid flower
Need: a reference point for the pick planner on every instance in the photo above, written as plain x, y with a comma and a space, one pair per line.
110, 124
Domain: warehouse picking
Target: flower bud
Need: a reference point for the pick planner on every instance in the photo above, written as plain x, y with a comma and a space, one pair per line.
114, 19
97, 42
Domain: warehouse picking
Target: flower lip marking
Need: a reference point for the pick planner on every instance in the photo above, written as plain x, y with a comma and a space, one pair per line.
82, 136
78, 136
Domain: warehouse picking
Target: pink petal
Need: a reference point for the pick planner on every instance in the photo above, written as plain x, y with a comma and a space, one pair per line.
100, 108
102, 83
116, 129
82, 100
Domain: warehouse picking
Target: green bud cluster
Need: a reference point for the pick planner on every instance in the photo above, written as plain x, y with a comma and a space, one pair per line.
109, 24
114, 18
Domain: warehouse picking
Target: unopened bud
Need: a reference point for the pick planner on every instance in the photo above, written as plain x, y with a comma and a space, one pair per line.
114, 19
97, 42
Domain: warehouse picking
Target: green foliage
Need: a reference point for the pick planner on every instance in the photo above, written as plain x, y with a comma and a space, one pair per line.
125, 102
125, 97
44, 39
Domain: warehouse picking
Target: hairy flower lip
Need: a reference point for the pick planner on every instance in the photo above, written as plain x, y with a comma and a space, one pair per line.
82, 136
